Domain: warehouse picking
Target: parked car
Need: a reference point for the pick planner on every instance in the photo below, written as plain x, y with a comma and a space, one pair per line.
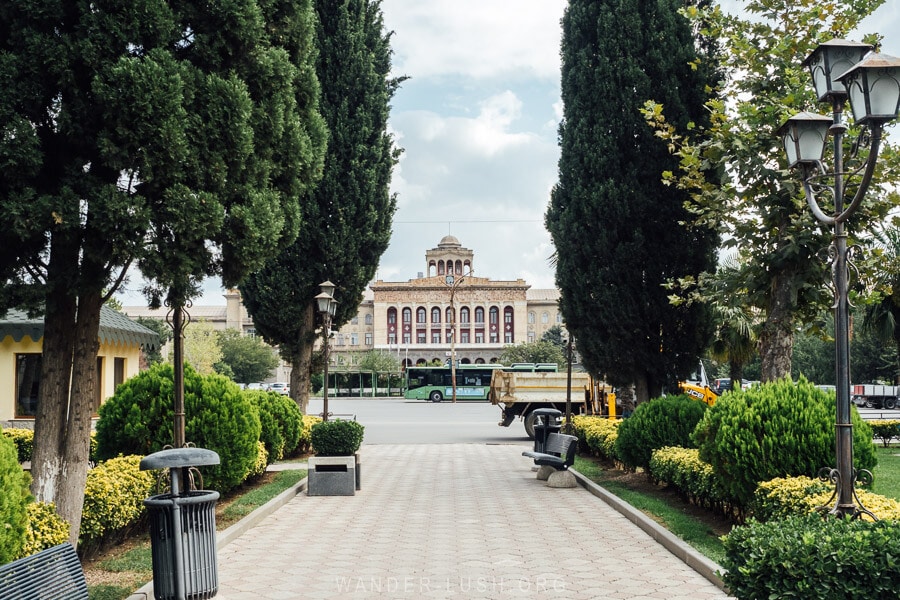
256, 386
279, 387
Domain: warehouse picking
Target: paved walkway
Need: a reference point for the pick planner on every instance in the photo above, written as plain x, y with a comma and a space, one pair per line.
452, 521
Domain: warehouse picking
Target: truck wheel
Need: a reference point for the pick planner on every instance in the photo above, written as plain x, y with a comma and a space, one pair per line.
530, 418
890, 403
436, 396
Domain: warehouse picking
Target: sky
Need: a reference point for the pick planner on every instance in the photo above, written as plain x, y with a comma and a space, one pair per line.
477, 121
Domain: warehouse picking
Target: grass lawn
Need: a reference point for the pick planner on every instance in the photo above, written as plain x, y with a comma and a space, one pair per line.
887, 473
119, 571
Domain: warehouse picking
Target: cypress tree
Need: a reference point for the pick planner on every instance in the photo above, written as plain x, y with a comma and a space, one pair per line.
347, 220
617, 228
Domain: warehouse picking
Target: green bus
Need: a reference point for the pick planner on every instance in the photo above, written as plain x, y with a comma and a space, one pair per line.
473, 382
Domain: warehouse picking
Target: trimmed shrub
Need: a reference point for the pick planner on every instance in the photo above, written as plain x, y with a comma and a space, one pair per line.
597, 435
694, 479
885, 429
305, 444
337, 438
114, 498
778, 429
811, 557
667, 421
44, 528
262, 461
14, 497
785, 497
281, 421
138, 419
24, 440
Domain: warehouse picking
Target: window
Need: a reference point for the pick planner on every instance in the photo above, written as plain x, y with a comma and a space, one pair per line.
98, 389
495, 338
420, 314
448, 317
407, 338
354, 339
435, 337
508, 337
435, 315
479, 315
392, 338
369, 339
464, 315
118, 371
531, 317
355, 320
545, 318
392, 317
339, 339
449, 336
508, 315
369, 318
407, 315
494, 315
251, 332
420, 337
464, 337
479, 337
530, 337
559, 317
28, 380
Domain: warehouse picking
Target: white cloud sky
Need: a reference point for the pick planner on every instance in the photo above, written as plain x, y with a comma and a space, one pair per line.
477, 121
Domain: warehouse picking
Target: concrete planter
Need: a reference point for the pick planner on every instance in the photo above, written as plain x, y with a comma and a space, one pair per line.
332, 476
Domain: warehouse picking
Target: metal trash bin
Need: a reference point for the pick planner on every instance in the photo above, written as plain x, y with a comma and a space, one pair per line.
183, 529
546, 421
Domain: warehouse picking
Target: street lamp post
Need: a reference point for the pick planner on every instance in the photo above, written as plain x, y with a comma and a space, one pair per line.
842, 70
453, 283
327, 306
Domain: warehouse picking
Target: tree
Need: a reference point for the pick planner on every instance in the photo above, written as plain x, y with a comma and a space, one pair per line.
555, 336
533, 352
379, 361
201, 347
881, 316
760, 208
154, 355
175, 135
348, 223
249, 358
618, 231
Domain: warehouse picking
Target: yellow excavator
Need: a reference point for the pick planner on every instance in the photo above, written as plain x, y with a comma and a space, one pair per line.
698, 388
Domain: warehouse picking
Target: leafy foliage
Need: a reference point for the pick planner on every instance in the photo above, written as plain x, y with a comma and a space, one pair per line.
534, 352
13, 500
811, 557
201, 347
775, 430
619, 232
113, 498
281, 422
667, 421
138, 419
44, 529
23, 439
162, 329
248, 357
337, 438
693, 478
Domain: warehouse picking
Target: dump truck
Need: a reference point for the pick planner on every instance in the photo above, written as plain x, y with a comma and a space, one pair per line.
520, 393
876, 396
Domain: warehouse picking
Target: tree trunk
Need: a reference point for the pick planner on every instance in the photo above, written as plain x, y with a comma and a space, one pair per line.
302, 361
776, 343
76, 450
625, 399
736, 372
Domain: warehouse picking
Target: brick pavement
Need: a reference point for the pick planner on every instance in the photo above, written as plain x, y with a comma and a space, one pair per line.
453, 521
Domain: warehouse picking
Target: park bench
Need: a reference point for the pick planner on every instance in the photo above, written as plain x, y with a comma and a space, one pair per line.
54, 573
558, 455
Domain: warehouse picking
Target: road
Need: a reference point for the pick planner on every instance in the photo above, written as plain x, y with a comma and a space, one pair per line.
401, 421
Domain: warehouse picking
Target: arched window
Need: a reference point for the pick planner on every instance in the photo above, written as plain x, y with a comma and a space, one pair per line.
440, 267
508, 315
448, 317
494, 315
531, 317
464, 315
369, 317
459, 270
479, 315
421, 315
559, 317
392, 317
407, 315
545, 317
435, 315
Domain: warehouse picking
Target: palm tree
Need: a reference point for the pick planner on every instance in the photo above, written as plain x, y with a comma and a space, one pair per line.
882, 313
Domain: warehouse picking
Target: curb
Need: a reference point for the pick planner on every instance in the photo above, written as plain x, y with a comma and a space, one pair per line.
223, 538
671, 542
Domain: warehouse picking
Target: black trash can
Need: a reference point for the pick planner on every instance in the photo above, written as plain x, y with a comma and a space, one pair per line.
183, 529
197, 512
546, 421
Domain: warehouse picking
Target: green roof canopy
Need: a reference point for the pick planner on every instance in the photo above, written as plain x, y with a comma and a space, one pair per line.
115, 328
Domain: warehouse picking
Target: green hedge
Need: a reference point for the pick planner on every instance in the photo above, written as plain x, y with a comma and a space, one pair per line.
14, 497
661, 422
281, 422
44, 528
114, 499
219, 417
777, 429
24, 440
304, 446
785, 497
694, 479
337, 438
885, 429
597, 435
813, 558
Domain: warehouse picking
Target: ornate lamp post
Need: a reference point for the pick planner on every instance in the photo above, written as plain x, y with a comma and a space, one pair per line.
453, 283
842, 70
327, 306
